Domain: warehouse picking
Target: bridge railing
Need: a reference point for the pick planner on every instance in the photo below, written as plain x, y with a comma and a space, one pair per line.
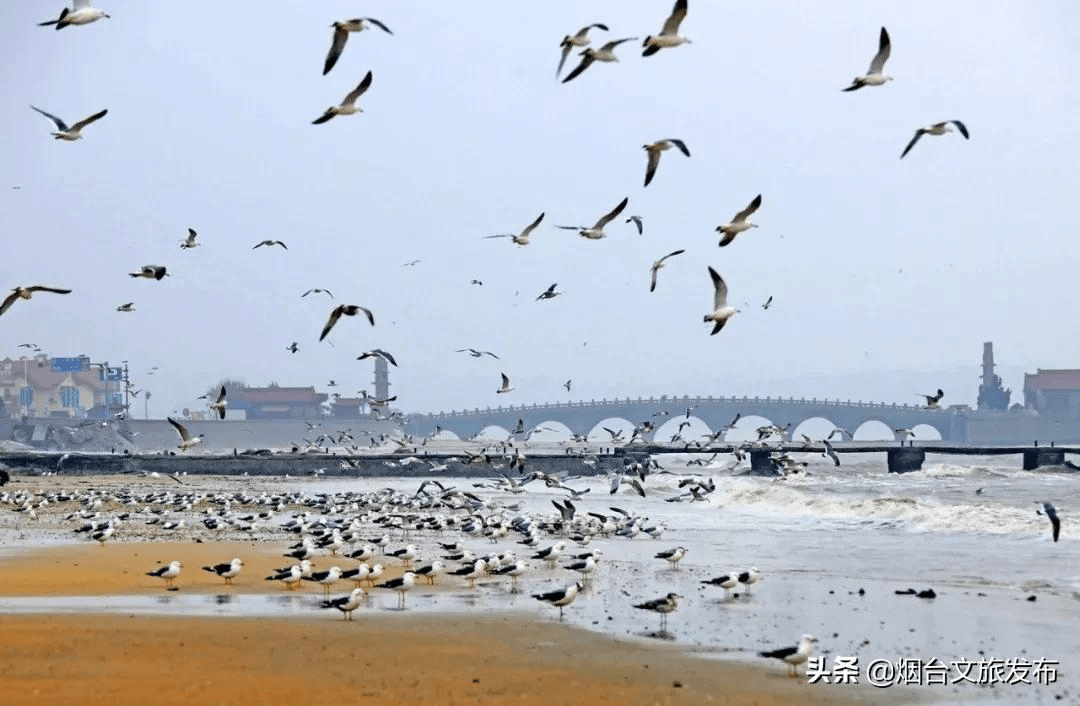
685, 400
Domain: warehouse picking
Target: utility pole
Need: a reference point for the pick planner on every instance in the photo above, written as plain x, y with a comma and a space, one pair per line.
146, 404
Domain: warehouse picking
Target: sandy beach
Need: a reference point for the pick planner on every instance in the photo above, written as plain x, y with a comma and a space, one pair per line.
379, 657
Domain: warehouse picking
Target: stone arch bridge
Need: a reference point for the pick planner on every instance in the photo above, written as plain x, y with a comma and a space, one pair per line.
582, 417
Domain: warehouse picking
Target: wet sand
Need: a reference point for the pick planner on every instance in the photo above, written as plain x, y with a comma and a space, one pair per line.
380, 656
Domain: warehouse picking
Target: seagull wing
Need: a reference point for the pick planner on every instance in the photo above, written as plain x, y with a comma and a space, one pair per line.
918, 134
384, 354
505, 381
586, 61
613, 215
8, 301
532, 226
86, 121
611, 45
680, 144
180, 429
671, 25
336, 47
370, 316
359, 90
961, 127
378, 24
566, 47
672, 254
877, 64
720, 287
655, 268
59, 123
748, 211
39, 288
650, 168
334, 316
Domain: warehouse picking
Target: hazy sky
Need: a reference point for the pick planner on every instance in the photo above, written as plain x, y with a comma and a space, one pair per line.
887, 275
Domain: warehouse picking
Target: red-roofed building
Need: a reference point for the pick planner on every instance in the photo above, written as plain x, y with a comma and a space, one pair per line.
1053, 393
346, 407
275, 402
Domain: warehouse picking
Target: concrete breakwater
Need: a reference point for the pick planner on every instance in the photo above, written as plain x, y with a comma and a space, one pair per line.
266, 463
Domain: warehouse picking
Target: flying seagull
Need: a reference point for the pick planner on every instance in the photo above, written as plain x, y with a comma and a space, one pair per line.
597, 231
347, 310
654, 149
637, 222
768, 303
523, 237
476, 354
739, 223
75, 131
793, 656
220, 403
293, 347
348, 106
669, 35
659, 264
721, 311
186, 439
935, 129
933, 400
505, 385
567, 385
80, 14
271, 242
1051, 514
130, 306
605, 53
410, 263
341, 35
189, 241
26, 293
378, 353
578, 40
549, 293
316, 291
874, 75
831, 452
150, 272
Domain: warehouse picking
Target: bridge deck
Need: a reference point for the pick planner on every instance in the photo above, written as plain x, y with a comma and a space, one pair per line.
855, 448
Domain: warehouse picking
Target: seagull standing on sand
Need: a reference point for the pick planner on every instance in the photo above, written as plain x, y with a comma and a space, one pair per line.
26, 293
226, 571
793, 656
580, 39
345, 310
189, 242
653, 151
663, 606
523, 237
325, 578
935, 129
749, 577
169, 573
505, 385
721, 311
401, 584
346, 604
726, 581
673, 556
186, 439
561, 598
669, 35
605, 53
80, 14
75, 131
341, 35
597, 231
656, 266
739, 223
348, 106
1055, 522
874, 75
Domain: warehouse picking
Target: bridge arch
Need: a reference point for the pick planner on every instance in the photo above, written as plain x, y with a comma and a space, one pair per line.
693, 431
873, 430
926, 432
550, 431
493, 432
816, 428
597, 433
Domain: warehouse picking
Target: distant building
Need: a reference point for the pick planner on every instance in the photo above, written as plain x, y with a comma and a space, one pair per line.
276, 402
992, 395
347, 407
53, 387
1053, 393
